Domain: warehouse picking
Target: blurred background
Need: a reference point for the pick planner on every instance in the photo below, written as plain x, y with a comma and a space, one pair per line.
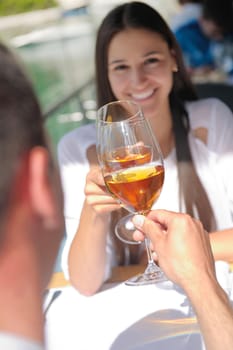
56, 40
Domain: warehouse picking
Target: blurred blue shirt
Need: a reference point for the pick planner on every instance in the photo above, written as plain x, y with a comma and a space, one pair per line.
196, 47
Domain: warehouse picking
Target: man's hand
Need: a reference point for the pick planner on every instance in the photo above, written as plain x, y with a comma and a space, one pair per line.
181, 244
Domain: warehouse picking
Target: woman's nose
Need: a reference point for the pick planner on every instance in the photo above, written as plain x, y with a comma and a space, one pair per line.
138, 76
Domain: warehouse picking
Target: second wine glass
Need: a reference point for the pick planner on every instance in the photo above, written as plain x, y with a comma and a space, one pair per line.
133, 169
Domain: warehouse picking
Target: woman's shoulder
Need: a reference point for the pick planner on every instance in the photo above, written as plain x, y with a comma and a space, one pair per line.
82, 132
76, 142
209, 112
80, 136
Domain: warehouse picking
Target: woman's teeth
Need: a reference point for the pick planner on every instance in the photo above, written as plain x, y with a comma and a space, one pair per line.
142, 96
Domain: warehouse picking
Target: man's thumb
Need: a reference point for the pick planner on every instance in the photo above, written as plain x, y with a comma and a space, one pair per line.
143, 224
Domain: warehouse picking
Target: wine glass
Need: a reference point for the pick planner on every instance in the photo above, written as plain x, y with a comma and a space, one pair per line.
132, 167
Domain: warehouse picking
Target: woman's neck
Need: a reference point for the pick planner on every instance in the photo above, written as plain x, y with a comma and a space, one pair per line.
163, 130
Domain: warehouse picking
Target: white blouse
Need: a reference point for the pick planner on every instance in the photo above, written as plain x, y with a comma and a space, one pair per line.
213, 163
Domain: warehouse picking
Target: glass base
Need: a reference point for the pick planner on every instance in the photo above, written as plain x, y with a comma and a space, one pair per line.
154, 275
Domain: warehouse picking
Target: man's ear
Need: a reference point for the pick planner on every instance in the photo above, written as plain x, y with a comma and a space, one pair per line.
41, 187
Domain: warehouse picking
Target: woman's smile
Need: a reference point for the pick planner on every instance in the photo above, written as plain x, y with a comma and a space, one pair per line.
145, 95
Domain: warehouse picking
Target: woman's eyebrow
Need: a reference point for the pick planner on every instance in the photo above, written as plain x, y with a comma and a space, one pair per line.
117, 61
151, 53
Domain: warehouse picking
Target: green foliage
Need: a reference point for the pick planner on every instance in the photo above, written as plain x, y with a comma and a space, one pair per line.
12, 7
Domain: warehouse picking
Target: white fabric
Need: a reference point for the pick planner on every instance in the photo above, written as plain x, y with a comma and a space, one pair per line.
10, 341
188, 13
213, 161
122, 318
153, 317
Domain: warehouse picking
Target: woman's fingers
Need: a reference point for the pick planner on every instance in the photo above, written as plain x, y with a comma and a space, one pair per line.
96, 193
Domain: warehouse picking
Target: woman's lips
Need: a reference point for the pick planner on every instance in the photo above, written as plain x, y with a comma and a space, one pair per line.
142, 96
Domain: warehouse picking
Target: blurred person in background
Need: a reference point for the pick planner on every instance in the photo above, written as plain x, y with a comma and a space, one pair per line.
189, 11
207, 41
138, 58
217, 24
31, 210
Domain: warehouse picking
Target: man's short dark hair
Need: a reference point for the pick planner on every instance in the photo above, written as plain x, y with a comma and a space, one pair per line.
21, 122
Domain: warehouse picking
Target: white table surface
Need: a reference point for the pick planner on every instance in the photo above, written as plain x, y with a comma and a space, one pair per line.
123, 318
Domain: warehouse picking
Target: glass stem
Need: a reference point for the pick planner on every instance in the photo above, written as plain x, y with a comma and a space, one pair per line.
148, 251
152, 268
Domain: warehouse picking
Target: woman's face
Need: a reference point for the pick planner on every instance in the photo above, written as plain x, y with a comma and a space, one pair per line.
140, 68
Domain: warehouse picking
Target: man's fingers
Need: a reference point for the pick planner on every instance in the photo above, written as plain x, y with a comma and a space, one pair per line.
147, 226
163, 217
138, 236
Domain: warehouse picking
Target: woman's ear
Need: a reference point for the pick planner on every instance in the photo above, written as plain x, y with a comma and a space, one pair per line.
45, 188
174, 66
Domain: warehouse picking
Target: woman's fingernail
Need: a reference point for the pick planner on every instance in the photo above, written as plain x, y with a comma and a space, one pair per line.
138, 220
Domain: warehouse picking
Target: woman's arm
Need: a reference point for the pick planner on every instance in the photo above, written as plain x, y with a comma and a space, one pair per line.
222, 245
87, 257
87, 211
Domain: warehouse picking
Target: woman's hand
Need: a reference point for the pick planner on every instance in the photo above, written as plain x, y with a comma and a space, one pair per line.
97, 195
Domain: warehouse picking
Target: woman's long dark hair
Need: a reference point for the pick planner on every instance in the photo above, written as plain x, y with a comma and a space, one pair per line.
140, 15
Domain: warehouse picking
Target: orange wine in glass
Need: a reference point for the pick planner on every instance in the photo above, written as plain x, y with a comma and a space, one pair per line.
133, 171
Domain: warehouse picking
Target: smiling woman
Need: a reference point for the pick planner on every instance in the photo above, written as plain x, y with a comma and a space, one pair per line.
138, 58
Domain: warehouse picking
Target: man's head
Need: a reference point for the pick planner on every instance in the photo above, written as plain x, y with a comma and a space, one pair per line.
31, 203
21, 124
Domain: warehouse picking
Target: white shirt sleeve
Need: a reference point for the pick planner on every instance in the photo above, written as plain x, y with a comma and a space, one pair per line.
214, 161
217, 118
13, 342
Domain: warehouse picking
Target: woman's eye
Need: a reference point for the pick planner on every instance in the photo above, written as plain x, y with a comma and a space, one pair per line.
120, 67
152, 60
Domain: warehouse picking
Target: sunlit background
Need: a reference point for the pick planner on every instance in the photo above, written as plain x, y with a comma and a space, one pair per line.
56, 40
